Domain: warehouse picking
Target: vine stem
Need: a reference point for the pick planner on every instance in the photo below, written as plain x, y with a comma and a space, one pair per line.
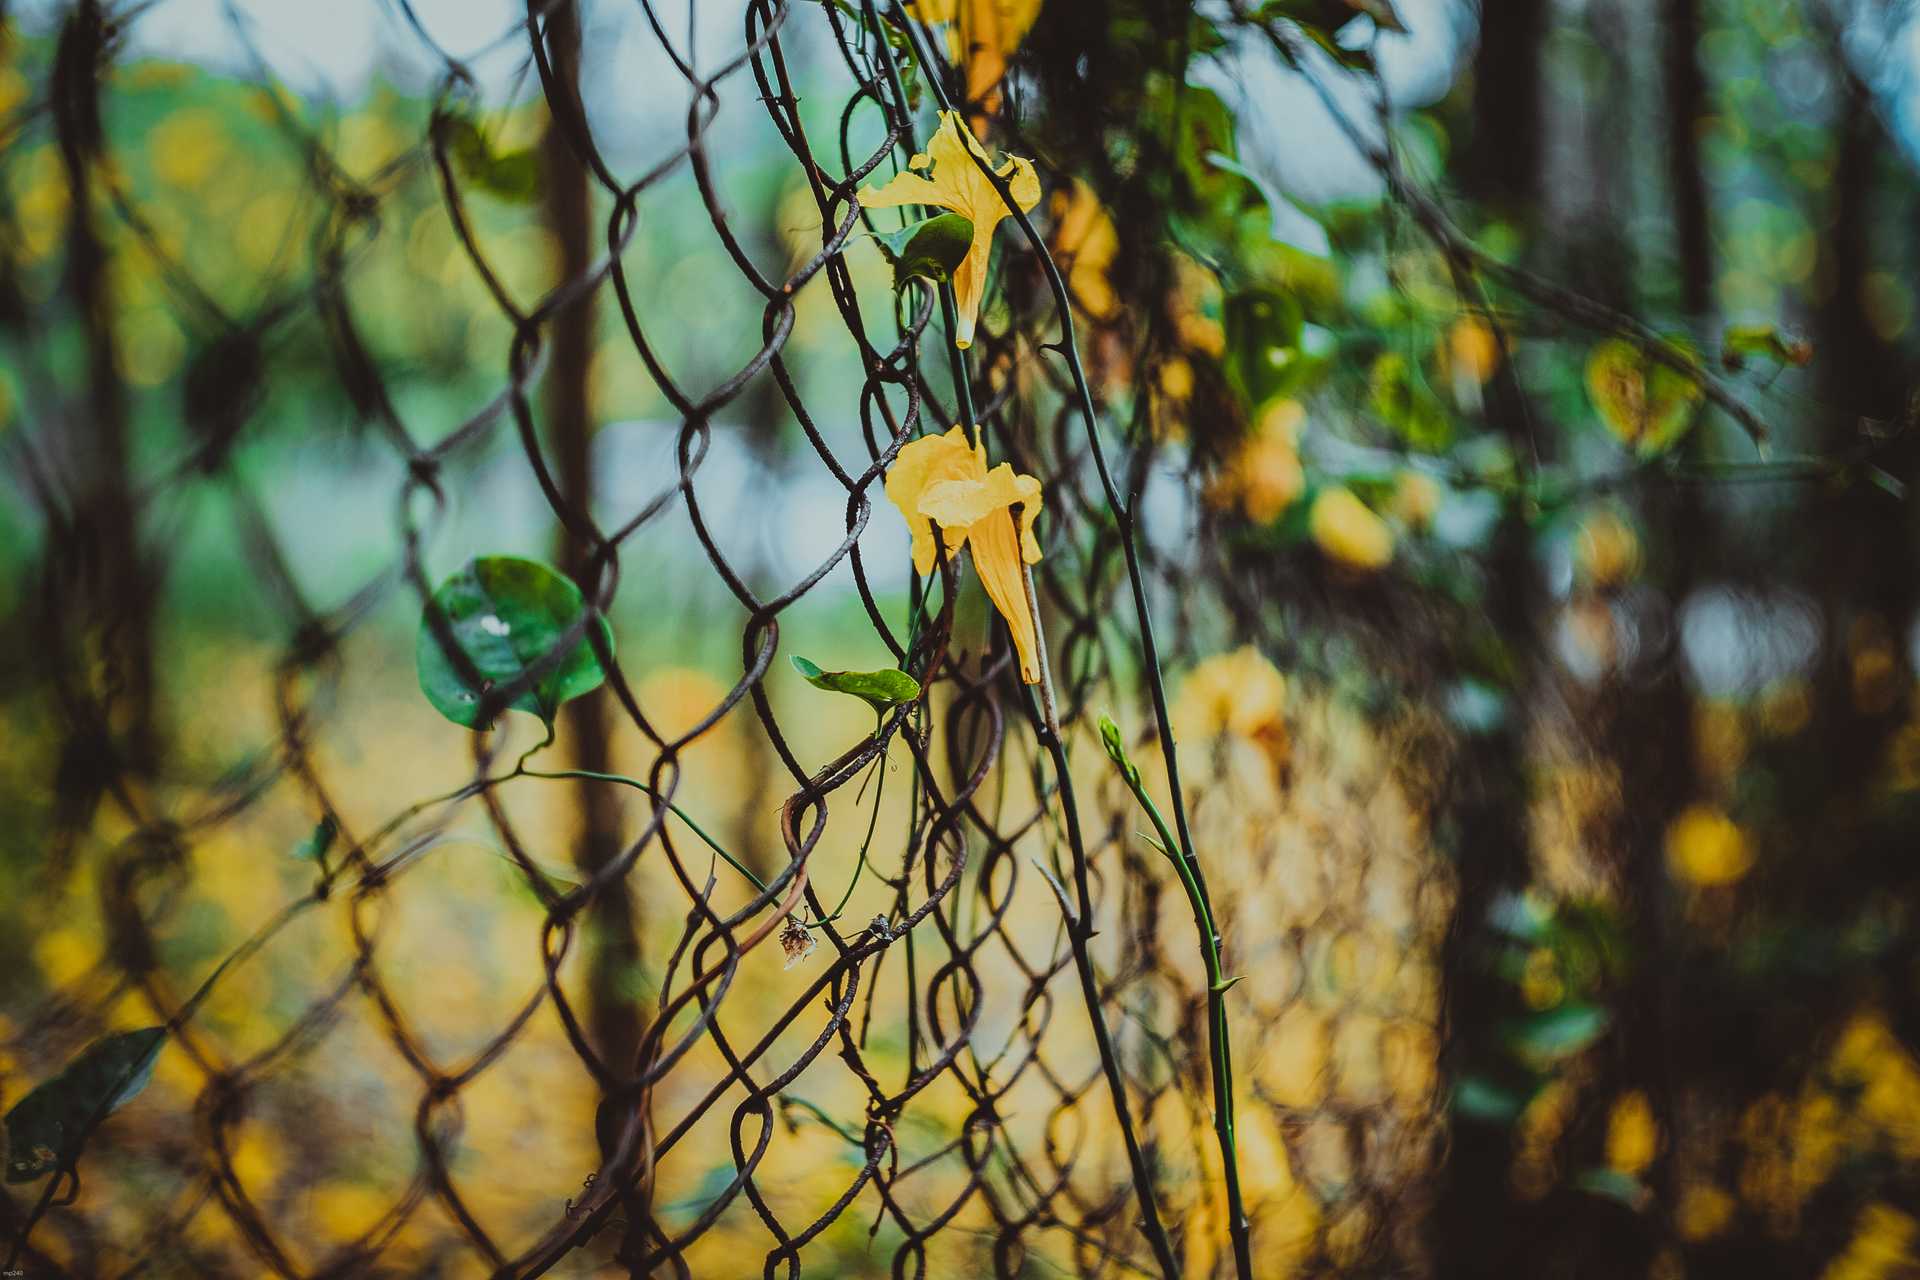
1068, 347
1219, 1046
1079, 931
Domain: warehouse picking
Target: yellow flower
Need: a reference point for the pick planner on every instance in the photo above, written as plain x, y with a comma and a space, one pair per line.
1633, 1135
1348, 532
1239, 693
1416, 499
954, 182
944, 480
1084, 237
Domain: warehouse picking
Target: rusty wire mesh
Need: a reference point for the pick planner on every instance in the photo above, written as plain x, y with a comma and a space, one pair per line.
933, 1066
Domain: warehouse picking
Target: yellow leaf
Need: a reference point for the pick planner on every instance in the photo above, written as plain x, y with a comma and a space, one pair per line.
1646, 403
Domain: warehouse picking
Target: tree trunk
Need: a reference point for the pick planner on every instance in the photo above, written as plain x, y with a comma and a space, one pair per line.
612, 1019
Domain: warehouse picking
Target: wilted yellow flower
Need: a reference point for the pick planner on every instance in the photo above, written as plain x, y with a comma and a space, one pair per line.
954, 182
944, 480
1706, 848
1348, 532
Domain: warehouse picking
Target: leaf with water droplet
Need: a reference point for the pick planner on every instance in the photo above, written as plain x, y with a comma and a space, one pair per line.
47, 1128
879, 689
503, 615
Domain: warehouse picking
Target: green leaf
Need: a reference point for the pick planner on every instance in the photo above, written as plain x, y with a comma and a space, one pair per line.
513, 176
1402, 401
1557, 1033
1744, 340
47, 1128
504, 614
931, 248
879, 689
315, 846
1263, 329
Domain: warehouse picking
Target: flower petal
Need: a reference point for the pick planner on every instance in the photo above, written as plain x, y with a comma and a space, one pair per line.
1023, 184
996, 555
906, 188
919, 464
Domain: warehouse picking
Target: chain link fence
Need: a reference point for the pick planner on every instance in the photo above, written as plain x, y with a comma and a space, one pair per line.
531, 1025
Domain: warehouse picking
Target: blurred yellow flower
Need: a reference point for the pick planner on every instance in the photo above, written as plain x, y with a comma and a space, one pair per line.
1348, 532
944, 480
954, 182
1606, 550
1881, 1247
1240, 693
1704, 1212
1472, 350
1176, 378
1264, 475
1416, 497
1706, 848
982, 36
1084, 237
1633, 1136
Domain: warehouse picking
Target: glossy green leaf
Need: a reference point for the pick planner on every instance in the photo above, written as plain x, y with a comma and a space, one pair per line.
1264, 359
931, 248
47, 1128
504, 614
879, 689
